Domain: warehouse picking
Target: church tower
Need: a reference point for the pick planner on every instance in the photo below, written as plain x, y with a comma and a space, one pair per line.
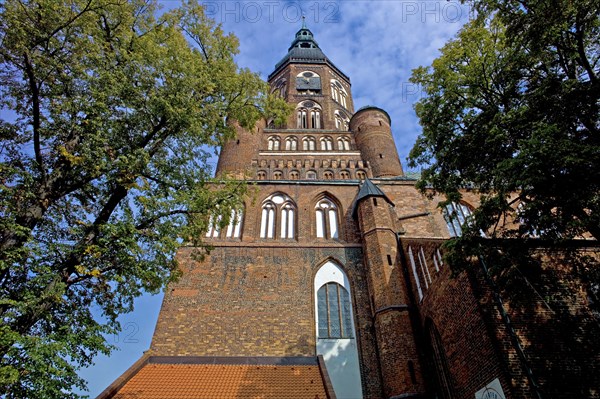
331, 281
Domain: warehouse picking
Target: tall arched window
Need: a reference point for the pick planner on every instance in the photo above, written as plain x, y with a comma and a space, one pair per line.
335, 329
309, 115
279, 88
343, 143
456, 215
278, 209
326, 144
273, 143
338, 93
326, 217
308, 143
342, 122
234, 228
291, 144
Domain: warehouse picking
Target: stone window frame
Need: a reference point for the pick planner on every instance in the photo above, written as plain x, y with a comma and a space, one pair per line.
361, 174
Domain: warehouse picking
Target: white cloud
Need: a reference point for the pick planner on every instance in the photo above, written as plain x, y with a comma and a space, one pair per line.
376, 43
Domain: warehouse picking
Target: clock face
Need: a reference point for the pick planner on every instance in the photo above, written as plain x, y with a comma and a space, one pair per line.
308, 83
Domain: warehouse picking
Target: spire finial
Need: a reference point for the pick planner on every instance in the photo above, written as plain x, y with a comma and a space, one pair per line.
303, 21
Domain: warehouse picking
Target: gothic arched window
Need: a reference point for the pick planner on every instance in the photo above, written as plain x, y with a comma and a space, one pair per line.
328, 175
294, 175
308, 143
338, 93
291, 143
273, 143
234, 227
326, 218
279, 88
342, 122
308, 115
344, 175
262, 175
334, 322
343, 143
361, 175
456, 215
277, 175
326, 144
278, 209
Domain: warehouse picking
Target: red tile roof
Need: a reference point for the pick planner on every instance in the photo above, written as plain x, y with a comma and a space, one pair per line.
160, 380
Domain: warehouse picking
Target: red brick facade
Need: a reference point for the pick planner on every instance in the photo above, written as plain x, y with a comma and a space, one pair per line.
421, 331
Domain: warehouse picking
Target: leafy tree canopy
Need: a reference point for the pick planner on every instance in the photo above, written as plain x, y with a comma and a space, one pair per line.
511, 109
109, 115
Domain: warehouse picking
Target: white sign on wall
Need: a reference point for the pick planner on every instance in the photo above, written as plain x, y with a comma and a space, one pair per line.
493, 390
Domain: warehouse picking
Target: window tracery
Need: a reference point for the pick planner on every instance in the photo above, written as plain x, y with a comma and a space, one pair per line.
278, 210
326, 217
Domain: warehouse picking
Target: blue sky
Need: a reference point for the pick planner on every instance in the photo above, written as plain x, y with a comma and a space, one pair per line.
376, 43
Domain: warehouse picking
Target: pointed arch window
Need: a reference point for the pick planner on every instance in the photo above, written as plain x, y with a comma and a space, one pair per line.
234, 227
456, 215
361, 175
291, 144
273, 143
338, 93
333, 309
344, 175
326, 217
308, 115
279, 88
342, 122
308, 143
326, 144
262, 175
343, 143
278, 209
